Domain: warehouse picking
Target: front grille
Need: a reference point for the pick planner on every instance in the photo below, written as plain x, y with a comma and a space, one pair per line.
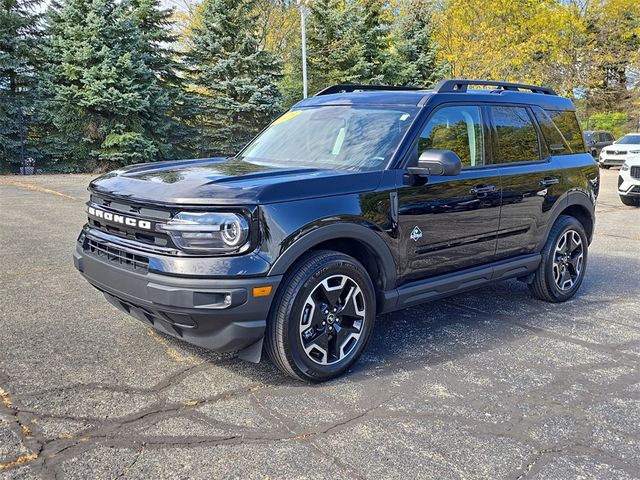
618, 152
113, 254
635, 172
131, 210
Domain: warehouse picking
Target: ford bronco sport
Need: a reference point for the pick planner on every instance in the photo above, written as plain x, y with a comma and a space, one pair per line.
360, 200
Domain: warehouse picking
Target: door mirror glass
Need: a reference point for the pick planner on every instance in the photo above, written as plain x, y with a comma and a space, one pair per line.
437, 162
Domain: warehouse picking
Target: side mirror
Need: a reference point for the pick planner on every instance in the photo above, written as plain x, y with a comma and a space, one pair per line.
437, 162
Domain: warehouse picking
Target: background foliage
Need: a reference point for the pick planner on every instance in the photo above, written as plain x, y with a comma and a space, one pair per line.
96, 84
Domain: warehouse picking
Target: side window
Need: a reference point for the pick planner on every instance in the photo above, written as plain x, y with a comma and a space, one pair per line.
553, 138
567, 123
456, 128
608, 137
517, 137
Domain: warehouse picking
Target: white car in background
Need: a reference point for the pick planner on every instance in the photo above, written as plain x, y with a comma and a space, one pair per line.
629, 181
615, 155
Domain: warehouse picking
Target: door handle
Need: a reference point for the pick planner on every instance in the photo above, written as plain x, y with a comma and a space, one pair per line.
548, 181
483, 190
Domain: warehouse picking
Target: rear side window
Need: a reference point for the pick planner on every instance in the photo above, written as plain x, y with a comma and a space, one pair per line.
567, 123
517, 137
607, 137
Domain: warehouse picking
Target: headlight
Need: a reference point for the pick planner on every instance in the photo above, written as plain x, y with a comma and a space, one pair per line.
208, 231
624, 167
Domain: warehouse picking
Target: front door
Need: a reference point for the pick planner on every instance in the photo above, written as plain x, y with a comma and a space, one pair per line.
450, 223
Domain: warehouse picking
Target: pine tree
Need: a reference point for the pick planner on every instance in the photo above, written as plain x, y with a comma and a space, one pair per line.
156, 25
108, 104
19, 36
417, 51
349, 42
235, 78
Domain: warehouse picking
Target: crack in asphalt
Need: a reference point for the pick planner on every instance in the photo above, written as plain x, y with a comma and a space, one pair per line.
135, 460
110, 432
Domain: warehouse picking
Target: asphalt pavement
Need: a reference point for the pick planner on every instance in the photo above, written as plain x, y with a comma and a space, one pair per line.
491, 384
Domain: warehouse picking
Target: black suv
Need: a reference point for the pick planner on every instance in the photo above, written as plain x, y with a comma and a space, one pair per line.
360, 200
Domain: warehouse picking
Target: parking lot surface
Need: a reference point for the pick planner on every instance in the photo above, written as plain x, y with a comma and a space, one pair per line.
490, 384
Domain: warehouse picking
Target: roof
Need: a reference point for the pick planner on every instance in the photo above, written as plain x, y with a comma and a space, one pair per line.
446, 91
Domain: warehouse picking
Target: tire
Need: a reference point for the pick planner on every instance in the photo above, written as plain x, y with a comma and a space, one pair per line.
630, 201
550, 282
319, 282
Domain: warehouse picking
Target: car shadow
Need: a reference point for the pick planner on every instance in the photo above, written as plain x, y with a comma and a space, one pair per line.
456, 327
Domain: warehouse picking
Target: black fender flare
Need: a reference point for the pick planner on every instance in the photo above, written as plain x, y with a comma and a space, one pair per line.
351, 231
572, 198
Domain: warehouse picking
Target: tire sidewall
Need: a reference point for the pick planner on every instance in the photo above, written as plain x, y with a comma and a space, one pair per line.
299, 357
567, 224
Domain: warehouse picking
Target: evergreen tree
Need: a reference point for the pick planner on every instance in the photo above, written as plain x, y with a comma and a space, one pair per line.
18, 43
234, 76
108, 104
349, 42
417, 51
156, 26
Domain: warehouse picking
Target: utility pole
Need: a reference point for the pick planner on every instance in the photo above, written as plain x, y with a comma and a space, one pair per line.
303, 28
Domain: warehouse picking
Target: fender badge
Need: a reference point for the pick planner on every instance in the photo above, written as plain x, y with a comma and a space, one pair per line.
416, 234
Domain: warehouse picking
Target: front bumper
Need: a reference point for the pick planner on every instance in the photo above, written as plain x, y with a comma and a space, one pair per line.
218, 314
627, 184
612, 161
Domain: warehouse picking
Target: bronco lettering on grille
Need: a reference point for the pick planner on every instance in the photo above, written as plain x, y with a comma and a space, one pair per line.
115, 218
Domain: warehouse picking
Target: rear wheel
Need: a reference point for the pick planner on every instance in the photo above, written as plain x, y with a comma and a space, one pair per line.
630, 201
564, 261
322, 318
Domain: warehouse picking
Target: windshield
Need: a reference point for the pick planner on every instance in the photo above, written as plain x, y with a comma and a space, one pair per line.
337, 137
588, 136
629, 139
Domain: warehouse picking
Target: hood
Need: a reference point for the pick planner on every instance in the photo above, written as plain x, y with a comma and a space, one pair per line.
216, 181
633, 160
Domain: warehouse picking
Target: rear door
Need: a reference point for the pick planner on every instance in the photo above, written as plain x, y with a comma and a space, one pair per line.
531, 179
450, 223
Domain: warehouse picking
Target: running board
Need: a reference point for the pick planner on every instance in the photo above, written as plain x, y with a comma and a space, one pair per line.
442, 286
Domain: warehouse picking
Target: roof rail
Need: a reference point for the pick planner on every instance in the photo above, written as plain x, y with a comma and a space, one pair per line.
462, 85
348, 88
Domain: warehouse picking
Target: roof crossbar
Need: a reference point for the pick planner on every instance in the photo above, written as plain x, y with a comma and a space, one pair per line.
448, 86
348, 88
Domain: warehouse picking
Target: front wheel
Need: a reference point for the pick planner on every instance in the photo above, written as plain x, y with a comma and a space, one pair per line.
322, 318
564, 262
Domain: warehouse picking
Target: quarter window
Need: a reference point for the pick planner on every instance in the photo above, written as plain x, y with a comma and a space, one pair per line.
517, 137
555, 141
567, 123
458, 129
